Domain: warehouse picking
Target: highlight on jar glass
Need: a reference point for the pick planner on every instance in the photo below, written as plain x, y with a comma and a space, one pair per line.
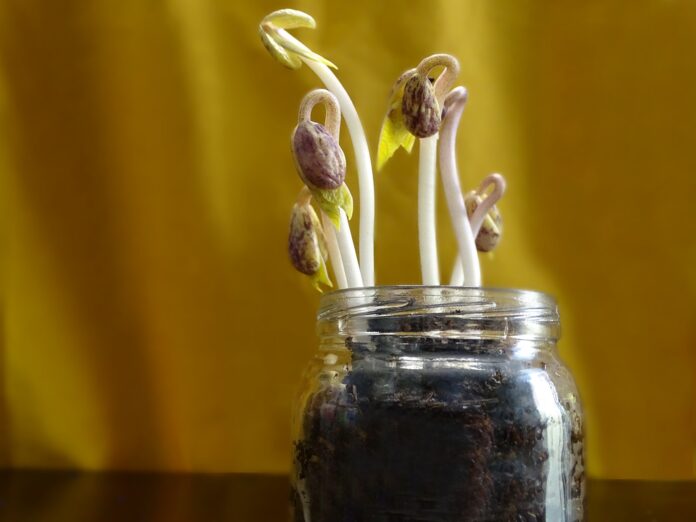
424, 402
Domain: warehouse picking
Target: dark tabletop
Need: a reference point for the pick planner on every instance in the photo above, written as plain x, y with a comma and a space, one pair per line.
37, 496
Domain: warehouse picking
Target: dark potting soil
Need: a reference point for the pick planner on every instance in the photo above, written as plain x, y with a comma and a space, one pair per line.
433, 445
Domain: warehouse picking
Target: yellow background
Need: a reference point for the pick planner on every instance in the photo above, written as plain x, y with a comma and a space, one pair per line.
150, 317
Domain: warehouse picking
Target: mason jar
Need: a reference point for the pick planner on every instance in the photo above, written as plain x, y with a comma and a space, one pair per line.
437, 404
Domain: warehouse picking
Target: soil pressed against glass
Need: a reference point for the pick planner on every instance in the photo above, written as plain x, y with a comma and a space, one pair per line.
432, 445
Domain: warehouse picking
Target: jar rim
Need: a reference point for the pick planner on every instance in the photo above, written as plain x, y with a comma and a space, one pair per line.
525, 296
470, 312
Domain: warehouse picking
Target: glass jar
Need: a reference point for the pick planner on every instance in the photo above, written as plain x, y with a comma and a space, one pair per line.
437, 404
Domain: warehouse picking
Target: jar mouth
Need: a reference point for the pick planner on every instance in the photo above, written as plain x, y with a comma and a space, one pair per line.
454, 312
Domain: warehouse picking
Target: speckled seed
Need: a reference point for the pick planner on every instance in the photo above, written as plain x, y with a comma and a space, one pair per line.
306, 240
419, 106
318, 156
492, 226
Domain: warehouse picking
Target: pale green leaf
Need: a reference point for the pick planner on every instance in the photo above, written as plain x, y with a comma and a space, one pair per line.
289, 60
290, 19
330, 201
293, 45
321, 277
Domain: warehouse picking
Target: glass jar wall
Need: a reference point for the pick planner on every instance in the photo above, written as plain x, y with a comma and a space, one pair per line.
438, 404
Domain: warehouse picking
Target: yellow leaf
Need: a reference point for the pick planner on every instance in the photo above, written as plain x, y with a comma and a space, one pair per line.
394, 133
321, 277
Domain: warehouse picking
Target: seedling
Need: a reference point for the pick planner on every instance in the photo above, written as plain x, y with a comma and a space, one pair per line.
420, 107
292, 53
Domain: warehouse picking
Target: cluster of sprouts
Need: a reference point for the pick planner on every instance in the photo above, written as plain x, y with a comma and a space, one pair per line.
421, 106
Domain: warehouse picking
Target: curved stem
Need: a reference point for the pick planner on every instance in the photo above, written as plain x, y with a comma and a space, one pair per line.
334, 252
445, 81
427, 227
450, 179
364, 167
476, 220
498, 183
332, 120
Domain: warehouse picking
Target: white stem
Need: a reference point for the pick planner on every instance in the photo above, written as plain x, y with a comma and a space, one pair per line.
427, 230
457, 277
455, 199
347, 248
364, 167
334, 252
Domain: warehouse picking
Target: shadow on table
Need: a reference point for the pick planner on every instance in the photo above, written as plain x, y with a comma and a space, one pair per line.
28, 496
44, 496
638, 501
4, 417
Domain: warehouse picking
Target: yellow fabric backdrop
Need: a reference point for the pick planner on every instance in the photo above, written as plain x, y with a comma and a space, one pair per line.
151, 319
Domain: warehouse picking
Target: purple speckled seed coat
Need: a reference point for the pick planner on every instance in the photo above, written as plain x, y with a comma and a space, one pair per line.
318, 156
304, 242
419, 106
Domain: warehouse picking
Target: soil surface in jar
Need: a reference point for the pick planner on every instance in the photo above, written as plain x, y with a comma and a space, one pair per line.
433, 445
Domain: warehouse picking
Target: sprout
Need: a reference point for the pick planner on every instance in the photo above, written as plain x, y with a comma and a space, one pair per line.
282, 45
415, 105
292, 53
467, 214
419, 107
321, 165
454, 107
467, 217
306, 242
319, 158
486, 221
426, 103
422, 98
420, 115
